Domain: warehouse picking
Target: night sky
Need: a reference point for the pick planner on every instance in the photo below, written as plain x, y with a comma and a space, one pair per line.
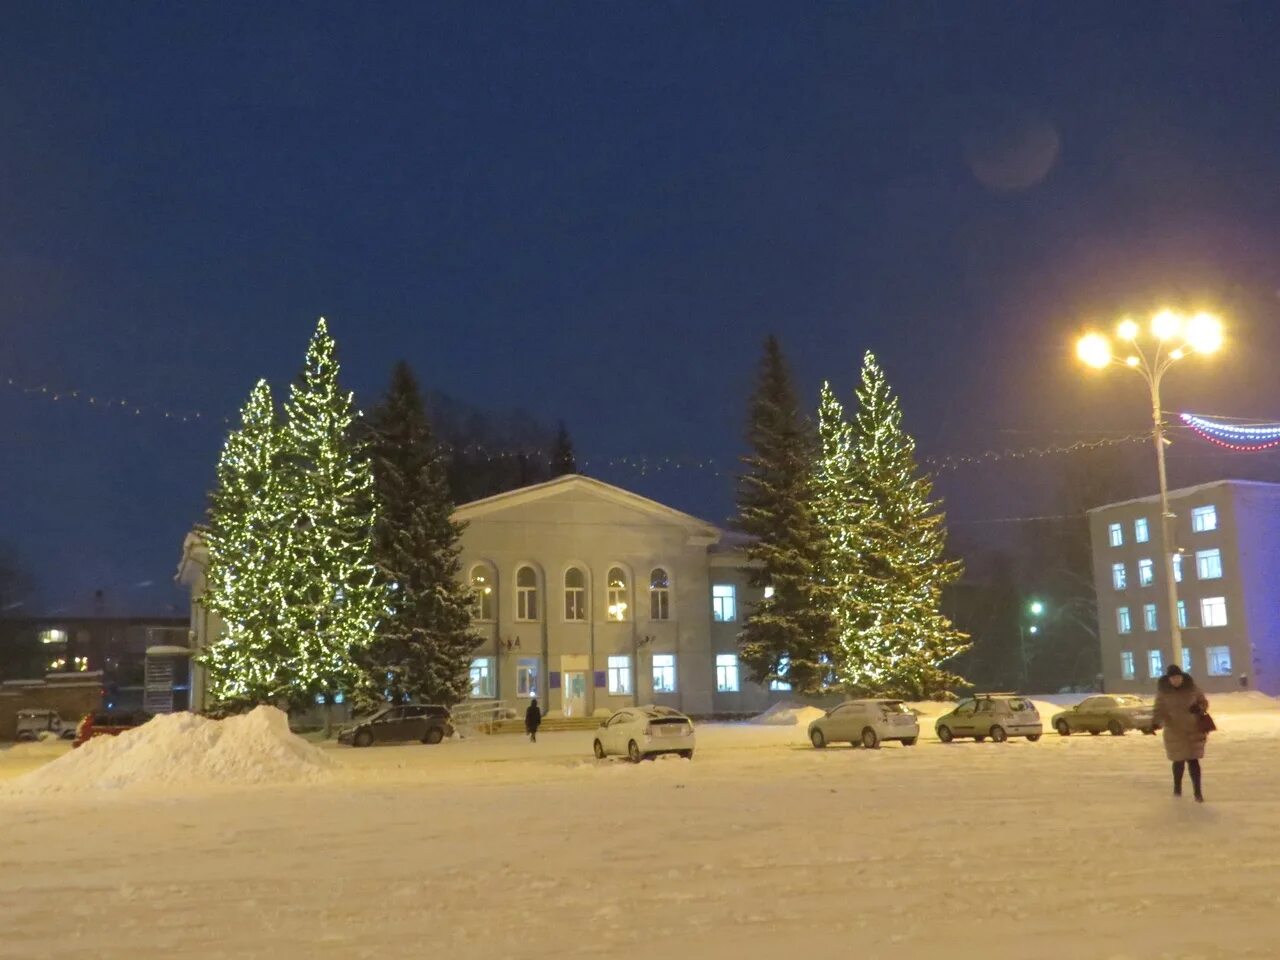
596, 212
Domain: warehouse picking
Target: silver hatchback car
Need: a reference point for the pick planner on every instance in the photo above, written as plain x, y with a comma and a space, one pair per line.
866, 722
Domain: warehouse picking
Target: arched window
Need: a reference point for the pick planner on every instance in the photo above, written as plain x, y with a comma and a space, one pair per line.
482, 595
526, 594
659, 594
618, 609
575, 594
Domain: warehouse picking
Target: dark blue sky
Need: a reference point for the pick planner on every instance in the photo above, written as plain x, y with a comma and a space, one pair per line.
596, 212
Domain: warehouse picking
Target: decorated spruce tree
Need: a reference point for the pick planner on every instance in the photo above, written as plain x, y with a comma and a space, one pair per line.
787, 635
894, 638
423, 644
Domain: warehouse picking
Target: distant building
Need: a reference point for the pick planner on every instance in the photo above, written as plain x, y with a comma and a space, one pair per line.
1227, 573
591, 598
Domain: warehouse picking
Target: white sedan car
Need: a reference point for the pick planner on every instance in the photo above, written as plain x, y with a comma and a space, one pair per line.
640, 733
866, 722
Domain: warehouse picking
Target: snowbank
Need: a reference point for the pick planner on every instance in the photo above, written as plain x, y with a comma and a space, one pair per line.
788, 715
184, 750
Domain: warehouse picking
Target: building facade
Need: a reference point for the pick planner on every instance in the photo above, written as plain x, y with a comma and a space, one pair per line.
590, 598
1226, 550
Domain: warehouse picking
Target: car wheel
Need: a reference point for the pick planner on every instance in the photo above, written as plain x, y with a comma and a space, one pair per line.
945, 734
817, 739
687, 754
362, 739
434, 735
68, 734
1094, 733
1064, 730
1115, 729
870, 739
633, 752
998, 735
598, 747
1033, 737
909, 742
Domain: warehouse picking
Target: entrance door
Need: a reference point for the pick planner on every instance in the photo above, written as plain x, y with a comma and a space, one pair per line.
575, 693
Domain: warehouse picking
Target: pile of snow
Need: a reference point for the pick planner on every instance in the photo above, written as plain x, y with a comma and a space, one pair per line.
185, 750
788, 715
1242, 701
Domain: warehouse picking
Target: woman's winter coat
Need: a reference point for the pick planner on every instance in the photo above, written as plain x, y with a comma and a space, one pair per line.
532, 718
1183, 738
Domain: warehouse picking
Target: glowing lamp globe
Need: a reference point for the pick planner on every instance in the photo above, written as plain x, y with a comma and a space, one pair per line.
1166, 324
1204, 333
1128, 330
1094, 350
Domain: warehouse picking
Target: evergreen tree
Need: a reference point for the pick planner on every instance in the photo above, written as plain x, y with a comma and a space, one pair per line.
562, 459
334, 597
838, 514
422, 650
788, 634
896, 639
250, 662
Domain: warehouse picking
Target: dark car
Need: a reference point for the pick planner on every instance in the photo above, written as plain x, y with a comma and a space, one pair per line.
107, 725
399, 724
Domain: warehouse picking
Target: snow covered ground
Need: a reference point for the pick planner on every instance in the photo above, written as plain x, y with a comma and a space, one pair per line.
759, 847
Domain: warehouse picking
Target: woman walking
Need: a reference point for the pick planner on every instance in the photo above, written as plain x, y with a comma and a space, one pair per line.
1179, 708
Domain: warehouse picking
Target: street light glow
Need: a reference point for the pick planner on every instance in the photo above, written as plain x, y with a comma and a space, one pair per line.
1131, 361
1094, 350
1128, 329
1166, 324
1204, 333
1037, 608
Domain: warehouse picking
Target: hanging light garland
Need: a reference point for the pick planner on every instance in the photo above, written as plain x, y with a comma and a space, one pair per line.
1238, 437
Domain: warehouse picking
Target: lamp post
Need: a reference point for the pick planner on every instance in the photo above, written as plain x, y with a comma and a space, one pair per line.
1034, 609
1171, 337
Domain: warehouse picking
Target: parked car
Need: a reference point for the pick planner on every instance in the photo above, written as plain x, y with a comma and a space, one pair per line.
107, 725
32, 723
995, 715
641, 733
398, 724
1115, 714
866, 722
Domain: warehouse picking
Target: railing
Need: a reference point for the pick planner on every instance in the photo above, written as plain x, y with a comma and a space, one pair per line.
479, 716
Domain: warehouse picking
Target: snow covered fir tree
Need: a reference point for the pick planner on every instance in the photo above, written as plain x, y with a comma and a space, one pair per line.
423, 644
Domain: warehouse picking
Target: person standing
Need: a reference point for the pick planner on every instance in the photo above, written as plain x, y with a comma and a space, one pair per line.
532, 720
1179, 707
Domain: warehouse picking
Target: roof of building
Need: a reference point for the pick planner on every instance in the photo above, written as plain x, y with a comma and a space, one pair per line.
1189, 491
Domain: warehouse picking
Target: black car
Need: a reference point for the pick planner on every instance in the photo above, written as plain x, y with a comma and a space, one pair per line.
399, 724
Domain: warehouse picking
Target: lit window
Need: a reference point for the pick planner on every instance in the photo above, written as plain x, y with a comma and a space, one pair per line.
1146, 572
1219, 661
724, 602
575, 594
1209, 564
527, 678
1115, 532
482, 678
1177, 567
664, 673
784, 663
1182, 614
1141, 533
1149, 616
727, 673
1126, 665
53, 636
768, 593
659, 594
1119, 578
1204, 519
1213, 612
526, 594
1155, 663
57, 664
482, 592
619, 675
1186, 660
1123, 623
82, 664
617, 609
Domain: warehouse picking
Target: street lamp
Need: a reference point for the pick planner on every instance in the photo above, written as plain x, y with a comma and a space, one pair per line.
1171, 336
1035, 609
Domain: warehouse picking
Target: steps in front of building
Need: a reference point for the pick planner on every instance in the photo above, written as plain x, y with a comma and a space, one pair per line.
549, 724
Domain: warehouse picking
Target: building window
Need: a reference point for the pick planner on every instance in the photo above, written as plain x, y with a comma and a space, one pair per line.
1182, 614
53, 636
575, 594
620, 675
724, 603
1177, 567
1123, 623
727, 673
1146, 572
526, 594
1141, 533
659, 594
1209, 564
1213, 612
1149, 622
482, 594
784, 663
768, 593
664, 673
618, 609
482, 678
527, 678
1204, 519
1186, 660
1218, 661
1155, 663
1115, 533
1126, 665
1119, 578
